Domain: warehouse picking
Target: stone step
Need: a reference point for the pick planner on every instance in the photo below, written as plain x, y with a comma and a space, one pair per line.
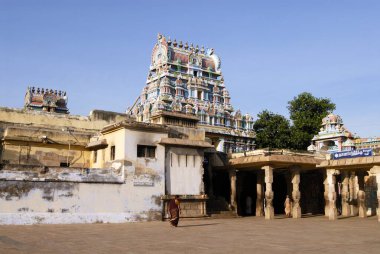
223, 214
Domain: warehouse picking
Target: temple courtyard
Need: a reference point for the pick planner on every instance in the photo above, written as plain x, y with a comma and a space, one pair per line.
237, 235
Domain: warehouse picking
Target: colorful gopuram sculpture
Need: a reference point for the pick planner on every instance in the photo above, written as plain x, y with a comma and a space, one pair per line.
333, 136
46, 100
185, 86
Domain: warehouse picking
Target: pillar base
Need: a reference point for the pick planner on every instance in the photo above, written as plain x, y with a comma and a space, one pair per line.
362, 212
362, 207
269, 213
333, 214
327, 207
296, 212
259, 210
346, 211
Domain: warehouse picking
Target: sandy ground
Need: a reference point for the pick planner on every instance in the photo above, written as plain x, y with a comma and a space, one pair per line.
239, 235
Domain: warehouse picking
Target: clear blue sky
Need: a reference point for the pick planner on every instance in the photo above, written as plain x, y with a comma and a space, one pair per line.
99, 51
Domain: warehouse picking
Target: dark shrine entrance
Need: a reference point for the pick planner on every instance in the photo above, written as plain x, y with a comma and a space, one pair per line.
312, 189
280, 190
220, 199
246, 193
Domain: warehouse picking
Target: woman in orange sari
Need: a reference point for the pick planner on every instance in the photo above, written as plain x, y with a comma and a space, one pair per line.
174, 211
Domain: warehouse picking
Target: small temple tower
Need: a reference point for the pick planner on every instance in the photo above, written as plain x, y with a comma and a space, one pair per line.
333, 136
185, 87
46, 100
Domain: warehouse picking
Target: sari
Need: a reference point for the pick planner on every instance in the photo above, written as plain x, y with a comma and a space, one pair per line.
173, 208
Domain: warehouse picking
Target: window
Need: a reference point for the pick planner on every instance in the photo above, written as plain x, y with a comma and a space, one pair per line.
146, 151
112, 154
195, 73
64, 164
95, 156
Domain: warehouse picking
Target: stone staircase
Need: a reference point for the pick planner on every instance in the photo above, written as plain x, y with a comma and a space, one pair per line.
224, 215
217, 207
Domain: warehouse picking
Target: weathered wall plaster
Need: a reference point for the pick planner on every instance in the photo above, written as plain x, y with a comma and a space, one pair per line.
92, 196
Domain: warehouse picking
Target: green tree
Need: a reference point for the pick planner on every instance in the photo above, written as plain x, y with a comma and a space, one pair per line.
306, 113
272, 130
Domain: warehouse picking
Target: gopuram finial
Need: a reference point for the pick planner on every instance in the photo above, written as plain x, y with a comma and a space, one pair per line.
180, 44
186, 45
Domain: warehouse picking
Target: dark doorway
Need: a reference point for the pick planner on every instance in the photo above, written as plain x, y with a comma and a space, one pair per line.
312, 189
246, 193
338, 190
222, 186
280, 191
206, 174
371, 194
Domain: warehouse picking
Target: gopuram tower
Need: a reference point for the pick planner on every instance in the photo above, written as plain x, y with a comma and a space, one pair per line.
185, 87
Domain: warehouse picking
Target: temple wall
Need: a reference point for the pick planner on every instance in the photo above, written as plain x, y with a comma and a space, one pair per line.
30, 145
63, 196
95, 121
26, 154
190, 133
184, 171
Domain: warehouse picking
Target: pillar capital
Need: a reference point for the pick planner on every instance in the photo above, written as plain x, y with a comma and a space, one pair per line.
267, 167
268, 174
232, 171
375, 170
332, 171
296, 177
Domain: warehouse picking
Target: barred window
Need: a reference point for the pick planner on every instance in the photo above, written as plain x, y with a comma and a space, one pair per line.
146, 151
95, 156
112, 155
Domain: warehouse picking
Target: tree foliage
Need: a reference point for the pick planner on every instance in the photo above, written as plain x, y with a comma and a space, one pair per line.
306, 113
272, 130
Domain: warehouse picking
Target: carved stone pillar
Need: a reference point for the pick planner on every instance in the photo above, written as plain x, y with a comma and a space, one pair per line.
326, 195
332, 211
259, 194
353, 194
296, 194
345, 194
376, 170
269, 210
232, 174
361, 196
